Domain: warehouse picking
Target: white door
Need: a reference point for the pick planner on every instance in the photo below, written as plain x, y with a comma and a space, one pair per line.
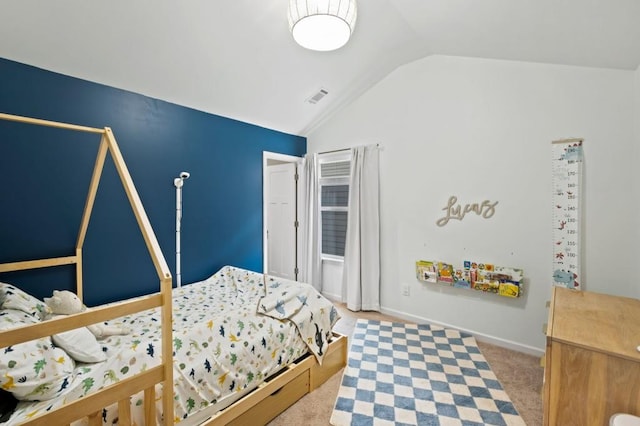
281, 218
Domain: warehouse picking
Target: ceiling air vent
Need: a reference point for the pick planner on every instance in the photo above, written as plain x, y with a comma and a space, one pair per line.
315, 98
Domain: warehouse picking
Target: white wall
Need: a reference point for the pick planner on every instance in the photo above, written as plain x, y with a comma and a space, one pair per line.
481, 130
332, 279
637, 159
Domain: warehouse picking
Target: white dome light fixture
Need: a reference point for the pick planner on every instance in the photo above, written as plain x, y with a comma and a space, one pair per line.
322, 25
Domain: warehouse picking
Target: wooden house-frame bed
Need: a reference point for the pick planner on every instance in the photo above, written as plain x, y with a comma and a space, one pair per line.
259, 406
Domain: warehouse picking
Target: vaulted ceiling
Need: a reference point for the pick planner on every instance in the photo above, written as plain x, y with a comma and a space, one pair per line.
236, 58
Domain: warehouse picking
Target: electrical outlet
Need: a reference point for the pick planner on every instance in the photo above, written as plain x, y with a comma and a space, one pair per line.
405, 290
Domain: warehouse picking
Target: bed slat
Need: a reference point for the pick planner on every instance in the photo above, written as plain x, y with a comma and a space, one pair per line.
124, 412
150, 406
35, 264
95, 315
95, 419
47, 123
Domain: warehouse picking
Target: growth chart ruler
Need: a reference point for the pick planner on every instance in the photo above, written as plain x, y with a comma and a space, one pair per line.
566, 163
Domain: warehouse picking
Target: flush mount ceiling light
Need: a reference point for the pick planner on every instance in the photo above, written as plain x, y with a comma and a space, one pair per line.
322, 24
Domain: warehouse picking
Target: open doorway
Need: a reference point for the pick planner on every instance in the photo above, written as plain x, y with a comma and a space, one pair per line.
280, 214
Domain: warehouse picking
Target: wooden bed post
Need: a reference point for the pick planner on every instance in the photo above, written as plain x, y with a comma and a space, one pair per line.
162, 270
79, 287
163, 373
88, 208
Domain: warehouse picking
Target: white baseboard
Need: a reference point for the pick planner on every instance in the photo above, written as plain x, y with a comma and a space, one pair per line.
530, 350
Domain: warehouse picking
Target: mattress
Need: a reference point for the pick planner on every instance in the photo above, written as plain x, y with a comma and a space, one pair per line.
223, 347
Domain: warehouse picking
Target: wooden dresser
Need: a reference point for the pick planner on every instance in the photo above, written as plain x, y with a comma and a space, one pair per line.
592, 366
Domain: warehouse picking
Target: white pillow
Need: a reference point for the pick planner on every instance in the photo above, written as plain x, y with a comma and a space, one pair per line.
80, 344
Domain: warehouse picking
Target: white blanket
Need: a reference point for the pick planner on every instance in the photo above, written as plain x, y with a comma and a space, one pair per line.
312, 314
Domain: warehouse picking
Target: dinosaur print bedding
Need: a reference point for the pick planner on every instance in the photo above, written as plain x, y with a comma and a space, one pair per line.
312, 314
223, 345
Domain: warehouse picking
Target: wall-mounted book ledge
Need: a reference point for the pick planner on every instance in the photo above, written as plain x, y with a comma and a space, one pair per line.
485, 277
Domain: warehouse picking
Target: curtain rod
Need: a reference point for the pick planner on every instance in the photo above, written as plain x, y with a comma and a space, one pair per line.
335, 150
340, 150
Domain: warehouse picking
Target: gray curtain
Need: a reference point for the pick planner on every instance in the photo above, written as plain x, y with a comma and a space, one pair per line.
361, 276
310, 261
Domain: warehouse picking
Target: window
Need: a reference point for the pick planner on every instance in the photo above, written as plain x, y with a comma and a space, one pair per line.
334, 204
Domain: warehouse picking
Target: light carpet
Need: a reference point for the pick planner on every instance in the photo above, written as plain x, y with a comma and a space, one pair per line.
417, 374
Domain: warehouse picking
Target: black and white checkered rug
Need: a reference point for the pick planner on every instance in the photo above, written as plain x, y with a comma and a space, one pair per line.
410, 374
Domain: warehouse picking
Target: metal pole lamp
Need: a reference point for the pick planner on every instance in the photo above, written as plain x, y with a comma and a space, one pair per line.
178, 183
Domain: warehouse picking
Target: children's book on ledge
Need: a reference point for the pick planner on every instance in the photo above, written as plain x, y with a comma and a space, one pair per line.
486, 277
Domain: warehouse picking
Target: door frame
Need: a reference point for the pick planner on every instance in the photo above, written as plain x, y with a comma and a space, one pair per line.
271, 158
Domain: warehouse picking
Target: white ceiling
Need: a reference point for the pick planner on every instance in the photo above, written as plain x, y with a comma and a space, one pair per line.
236, 58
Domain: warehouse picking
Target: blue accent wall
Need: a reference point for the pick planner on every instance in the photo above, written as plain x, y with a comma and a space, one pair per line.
46, 173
